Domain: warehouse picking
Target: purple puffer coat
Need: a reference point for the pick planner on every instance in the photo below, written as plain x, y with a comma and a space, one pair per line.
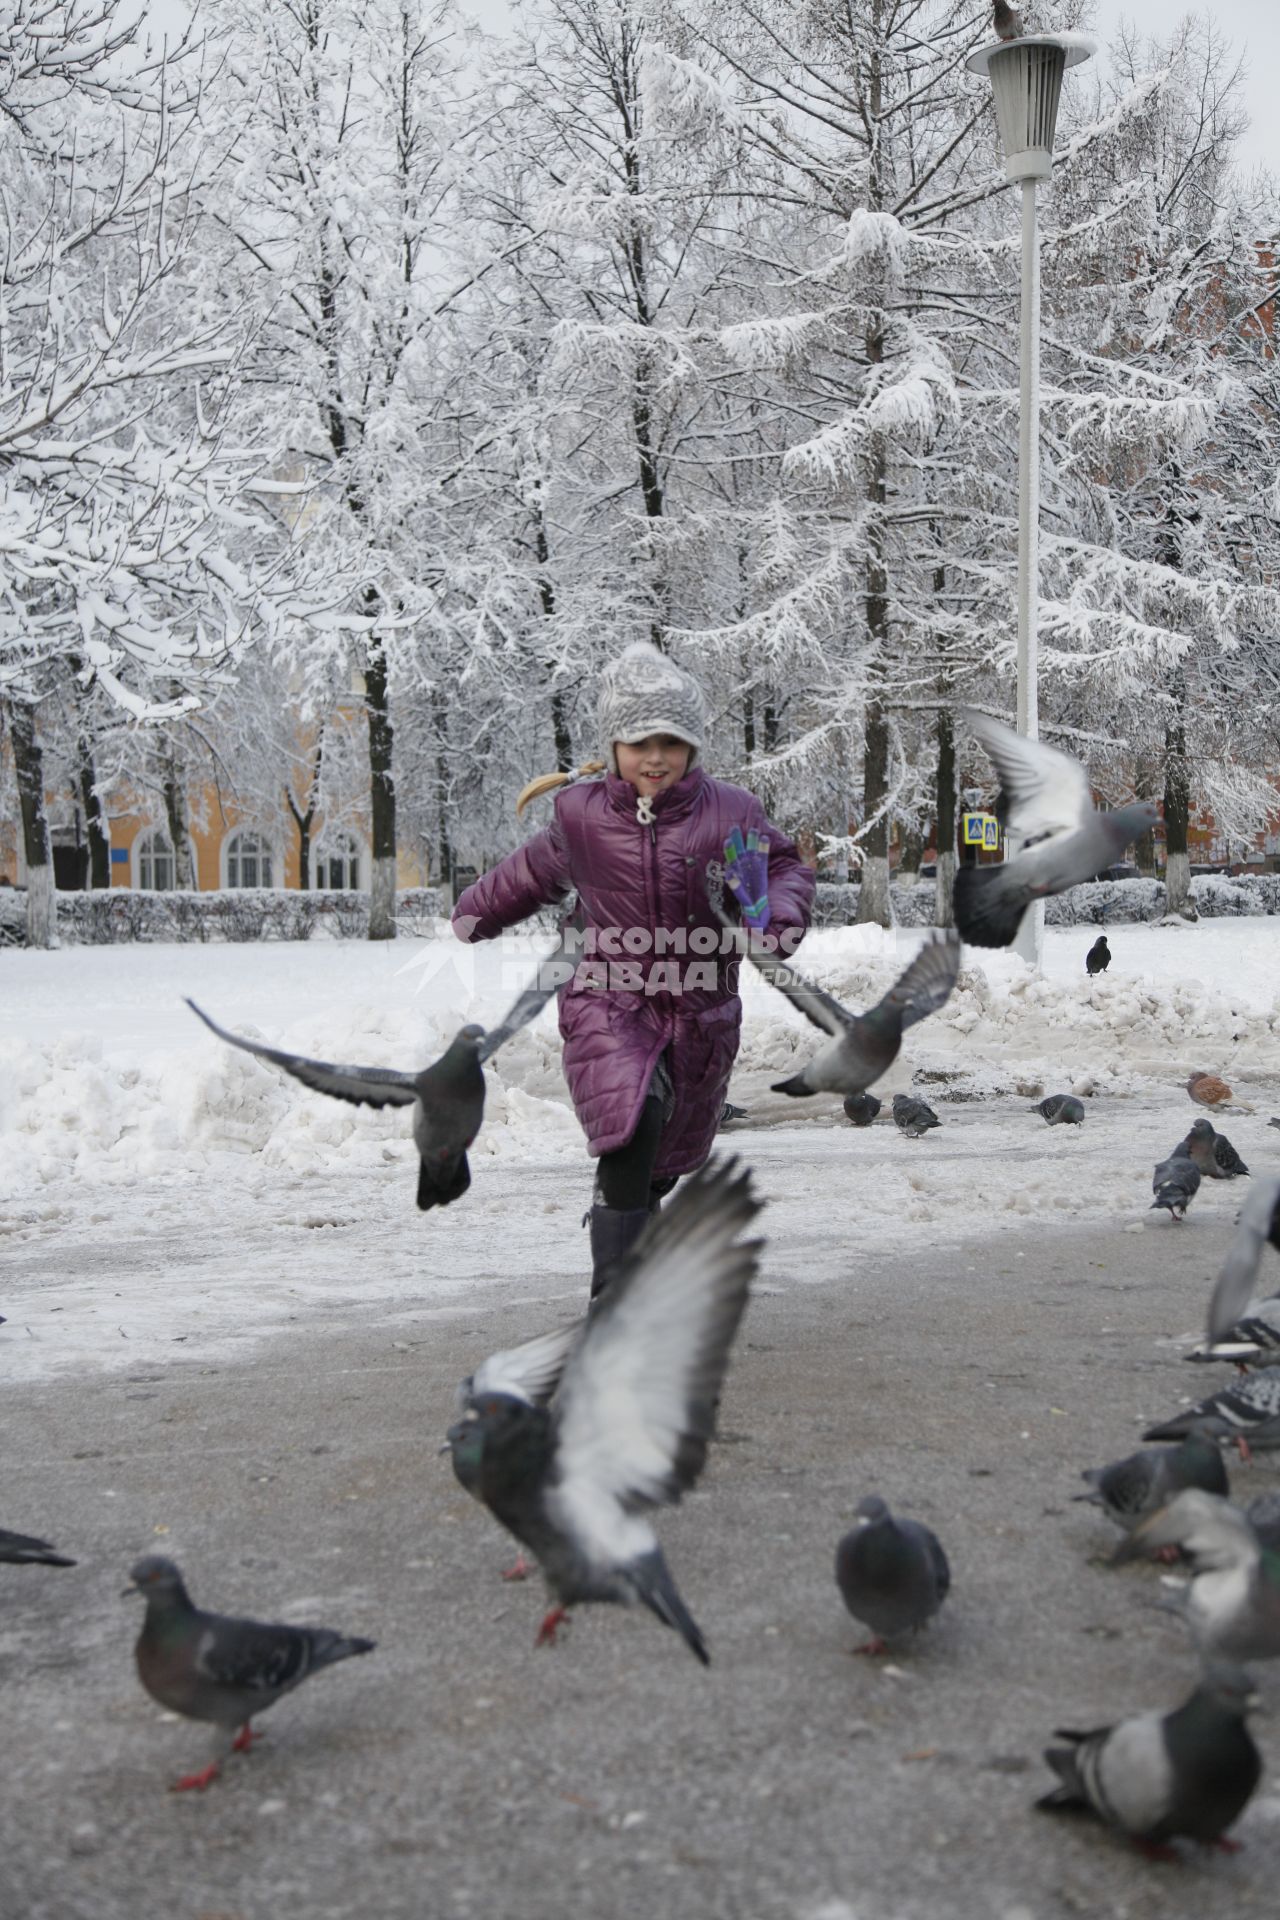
623, 1009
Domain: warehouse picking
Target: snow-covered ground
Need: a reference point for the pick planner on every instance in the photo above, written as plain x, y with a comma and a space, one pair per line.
164, 1195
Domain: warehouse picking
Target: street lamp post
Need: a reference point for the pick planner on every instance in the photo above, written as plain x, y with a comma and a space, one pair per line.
1026, 79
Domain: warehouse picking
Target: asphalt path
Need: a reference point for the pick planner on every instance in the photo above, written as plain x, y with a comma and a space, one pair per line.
459, 1771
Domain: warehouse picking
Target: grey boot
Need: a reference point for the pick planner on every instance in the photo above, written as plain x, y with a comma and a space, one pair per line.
613, 1232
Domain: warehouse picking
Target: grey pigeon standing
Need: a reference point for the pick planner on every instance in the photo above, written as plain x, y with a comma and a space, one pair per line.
892, 1574
1175, 1183
24, 1550
863, 1046
1048, 808
1098, 958
1008, 21
1247, 1414
208, 1667
861, 1108
913, 1117
632, 1411
447, 1100
1142, 1483
1232, 1602
1160, 1777
1251, 1341
1061, 1110
1212, 1152
1258, 1225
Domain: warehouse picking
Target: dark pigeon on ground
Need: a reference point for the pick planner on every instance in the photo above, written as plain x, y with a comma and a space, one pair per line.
1231, 1604
1187, 1774
1050, 813
1274, 1122
209, 1667
24, 1550
1258, 1226
730, 1113
1142, 1483
447, 1100
892, 1574
1061, 1110
1175, 1183
913, 1117
861, 1108
863, 1046
1098, 958
631, 1413
1212, 1152
1246, 1414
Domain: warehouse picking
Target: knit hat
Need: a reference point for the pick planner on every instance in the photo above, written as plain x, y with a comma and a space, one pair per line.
643, 692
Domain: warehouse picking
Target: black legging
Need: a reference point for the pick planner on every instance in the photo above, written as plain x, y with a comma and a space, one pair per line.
624, 1177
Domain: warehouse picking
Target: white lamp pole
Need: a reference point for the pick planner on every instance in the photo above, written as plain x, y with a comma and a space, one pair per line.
1026, 79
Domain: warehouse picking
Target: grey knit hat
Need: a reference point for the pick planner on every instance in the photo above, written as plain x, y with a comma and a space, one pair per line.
643, 692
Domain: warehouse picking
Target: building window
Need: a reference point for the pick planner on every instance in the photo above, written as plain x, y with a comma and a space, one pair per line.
249, 861
154, 867
338, 863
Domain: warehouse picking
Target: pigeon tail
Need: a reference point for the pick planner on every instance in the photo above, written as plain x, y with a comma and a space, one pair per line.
653, 1583
24, 1550
796, 1086
436, 1192
987, 913
1069, 1796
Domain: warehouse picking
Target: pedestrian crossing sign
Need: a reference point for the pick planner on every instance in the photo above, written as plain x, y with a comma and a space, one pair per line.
981, 830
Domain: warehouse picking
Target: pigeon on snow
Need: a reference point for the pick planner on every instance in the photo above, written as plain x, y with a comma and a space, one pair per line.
447, 1098
1232, 1601
1259, 1223
1247, 1414
631, 1414
863, 1046
1098, 958
1159, 1777
913, 1117
1207, 1090
1061, 1110
1048, 808
1008, 21
24, 1550
861, 1108
1175, 1183
209, 1667
1129, 1489
1212, 1152
892, 1574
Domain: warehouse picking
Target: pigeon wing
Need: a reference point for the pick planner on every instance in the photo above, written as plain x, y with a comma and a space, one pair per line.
815, 1004
364, 1086
1047, 791
249, 1656
1234, 1289
554, 970
637, 1402
927, 983
530, 1372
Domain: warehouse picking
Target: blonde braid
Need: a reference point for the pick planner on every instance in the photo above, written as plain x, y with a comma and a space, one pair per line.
548, 782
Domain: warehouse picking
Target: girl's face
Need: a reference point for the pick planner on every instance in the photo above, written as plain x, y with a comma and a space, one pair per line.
654, 764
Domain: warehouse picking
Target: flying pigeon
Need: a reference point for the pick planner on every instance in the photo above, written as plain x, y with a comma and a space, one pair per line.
1142, 1483
1247, 1413
631, 1411
1098, 958
892, 1574
208, 1667
23, 1550
1259, 1223
1157, 1777
863, 1046
1207, 1090
1175, 1183
1251, 1341
1061, 1110
1048, 807
447, 1098
1008, 21
913, 1117
1232, 1602
861, 1108
1212, 1152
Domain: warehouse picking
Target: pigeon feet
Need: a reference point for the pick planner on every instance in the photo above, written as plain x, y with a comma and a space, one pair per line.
245, 1738
520, 1570
1225, 1845
1244, 1450
1168, 1556
873, 1647
1157, 1850
547, 1631
197, 1782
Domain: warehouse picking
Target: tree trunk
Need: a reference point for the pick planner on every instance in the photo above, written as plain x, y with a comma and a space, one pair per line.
445, 852
912, 855
28, 762
943, 913
547, 595
1177, 819
874, 902
95, 821
382, 793
175, 813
